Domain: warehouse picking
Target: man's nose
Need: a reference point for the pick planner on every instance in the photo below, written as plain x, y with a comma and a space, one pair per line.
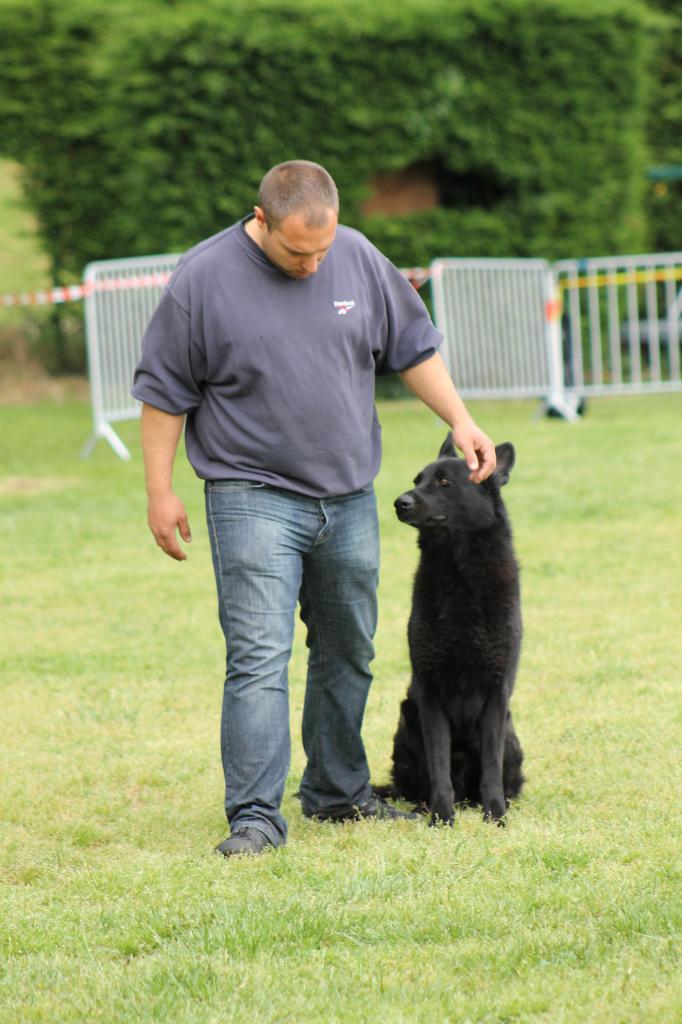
311, 264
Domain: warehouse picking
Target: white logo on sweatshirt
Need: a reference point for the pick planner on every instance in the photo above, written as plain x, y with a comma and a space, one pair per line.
343, 306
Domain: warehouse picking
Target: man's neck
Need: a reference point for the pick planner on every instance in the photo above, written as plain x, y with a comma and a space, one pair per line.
252, 230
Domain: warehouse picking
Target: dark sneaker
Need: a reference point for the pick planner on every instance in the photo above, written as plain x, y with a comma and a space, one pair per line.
245, 841
375, 807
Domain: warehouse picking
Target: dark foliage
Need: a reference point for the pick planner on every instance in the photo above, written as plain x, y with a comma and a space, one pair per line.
143, 129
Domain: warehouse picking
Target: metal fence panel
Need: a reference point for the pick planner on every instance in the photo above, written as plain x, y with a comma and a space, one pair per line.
121, 297
621, 323
493, 314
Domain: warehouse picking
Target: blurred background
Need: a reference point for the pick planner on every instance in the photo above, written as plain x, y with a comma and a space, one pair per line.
547, 128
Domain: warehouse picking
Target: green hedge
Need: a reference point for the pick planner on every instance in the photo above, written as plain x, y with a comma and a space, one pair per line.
664, 132
145, 128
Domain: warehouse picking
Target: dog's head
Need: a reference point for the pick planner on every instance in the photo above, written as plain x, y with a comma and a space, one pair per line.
443, 497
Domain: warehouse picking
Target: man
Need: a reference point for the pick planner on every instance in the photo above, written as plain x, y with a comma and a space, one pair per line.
268, 338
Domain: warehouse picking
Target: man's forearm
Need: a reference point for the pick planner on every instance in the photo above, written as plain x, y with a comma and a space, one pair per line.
431, 382
160, 436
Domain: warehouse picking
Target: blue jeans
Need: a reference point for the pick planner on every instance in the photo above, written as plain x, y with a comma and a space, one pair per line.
272, 548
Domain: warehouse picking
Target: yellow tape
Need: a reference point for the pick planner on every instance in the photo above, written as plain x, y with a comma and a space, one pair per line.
625, 277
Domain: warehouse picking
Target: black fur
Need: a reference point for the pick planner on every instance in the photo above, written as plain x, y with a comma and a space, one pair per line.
455, 741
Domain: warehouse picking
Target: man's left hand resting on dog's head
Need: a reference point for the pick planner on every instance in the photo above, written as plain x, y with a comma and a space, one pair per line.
431, 382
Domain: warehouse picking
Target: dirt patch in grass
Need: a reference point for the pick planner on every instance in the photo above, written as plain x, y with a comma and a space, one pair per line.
26, 381
24, 377
28, 486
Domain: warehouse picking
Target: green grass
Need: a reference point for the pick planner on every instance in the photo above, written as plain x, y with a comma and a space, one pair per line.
113, 907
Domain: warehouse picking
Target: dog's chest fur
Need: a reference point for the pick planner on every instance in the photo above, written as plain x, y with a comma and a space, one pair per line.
465, 622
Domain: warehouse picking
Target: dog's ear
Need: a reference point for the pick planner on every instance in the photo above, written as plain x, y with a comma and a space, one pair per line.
447, 449
506, 457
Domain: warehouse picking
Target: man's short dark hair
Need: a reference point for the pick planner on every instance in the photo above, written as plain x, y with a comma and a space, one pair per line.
298, 186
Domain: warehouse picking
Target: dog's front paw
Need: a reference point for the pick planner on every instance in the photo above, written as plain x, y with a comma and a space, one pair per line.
437, 820
442, 804
495, 811
442, 813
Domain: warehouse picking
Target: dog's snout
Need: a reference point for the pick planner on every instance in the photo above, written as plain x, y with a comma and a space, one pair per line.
404, 502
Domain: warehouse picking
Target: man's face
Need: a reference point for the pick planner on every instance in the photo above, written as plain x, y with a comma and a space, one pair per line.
293, 247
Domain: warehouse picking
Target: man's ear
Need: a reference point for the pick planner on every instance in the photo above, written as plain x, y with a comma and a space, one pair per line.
506, 457
447, 449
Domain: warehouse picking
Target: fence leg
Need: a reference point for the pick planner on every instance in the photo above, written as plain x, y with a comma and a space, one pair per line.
89, 446
106, 431
558, 402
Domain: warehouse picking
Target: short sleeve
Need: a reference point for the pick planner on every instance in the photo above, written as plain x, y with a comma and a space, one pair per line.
169, 375
409, 336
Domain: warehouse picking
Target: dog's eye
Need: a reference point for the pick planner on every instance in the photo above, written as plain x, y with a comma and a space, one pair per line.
442, 481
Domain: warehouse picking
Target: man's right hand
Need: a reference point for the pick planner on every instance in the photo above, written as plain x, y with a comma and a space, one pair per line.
165, 515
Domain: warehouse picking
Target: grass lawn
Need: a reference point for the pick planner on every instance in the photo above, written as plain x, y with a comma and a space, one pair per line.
113, 907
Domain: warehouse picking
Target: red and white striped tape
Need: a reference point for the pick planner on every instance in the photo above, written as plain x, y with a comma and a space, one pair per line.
43, 298
75, 292
417, 276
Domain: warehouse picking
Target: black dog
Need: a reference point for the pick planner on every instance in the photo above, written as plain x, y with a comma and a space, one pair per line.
455, 740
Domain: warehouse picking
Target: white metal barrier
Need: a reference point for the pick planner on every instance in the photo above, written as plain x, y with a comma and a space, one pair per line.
121, 296
500, 319
621, 323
